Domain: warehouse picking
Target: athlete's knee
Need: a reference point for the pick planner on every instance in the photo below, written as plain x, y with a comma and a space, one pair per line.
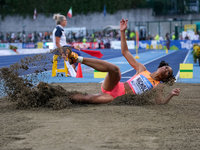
115, 69
110, 99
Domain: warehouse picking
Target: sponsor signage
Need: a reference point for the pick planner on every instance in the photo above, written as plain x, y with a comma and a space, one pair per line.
2, 45
117, 44
6, 45
90, 45
28, 45
39, 44
174, 44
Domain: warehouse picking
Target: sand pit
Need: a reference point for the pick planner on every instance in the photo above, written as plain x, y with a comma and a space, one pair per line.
43, 117
104, 127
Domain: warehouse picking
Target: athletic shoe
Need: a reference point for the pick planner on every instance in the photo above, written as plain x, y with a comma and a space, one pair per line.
67, 50
72, 57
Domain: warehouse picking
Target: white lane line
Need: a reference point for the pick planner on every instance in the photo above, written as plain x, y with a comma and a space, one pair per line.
146, 63
39, 66
149, 62
27, 75
177, 75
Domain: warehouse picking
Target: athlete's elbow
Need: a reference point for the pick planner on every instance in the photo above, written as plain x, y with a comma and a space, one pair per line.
160, 102
123, 53
126, 54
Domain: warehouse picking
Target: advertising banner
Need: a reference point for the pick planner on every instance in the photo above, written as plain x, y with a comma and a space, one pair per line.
90, 45
48, 45
28, 45
117, 44
6, 45
39, 44
144, 44
3, 46
183, 44
32, 51
174, 44
86, 45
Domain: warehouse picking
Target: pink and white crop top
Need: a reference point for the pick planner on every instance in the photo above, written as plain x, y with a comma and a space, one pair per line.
142, 82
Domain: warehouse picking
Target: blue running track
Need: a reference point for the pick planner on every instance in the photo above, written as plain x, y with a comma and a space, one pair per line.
150, 58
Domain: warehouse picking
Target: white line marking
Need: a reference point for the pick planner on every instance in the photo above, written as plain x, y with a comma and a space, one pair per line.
38, 73
146, 63
37, 66
149, 61
177, 75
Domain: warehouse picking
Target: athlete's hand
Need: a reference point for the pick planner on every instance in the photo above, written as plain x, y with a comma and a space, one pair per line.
175, 92
64, 56
77, 48
123, 24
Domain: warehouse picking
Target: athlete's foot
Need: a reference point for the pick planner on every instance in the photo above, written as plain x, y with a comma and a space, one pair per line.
67, 50
42, 85
80, 99
72, 57
75, 99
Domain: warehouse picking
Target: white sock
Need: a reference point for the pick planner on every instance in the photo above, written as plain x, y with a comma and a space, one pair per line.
80, 59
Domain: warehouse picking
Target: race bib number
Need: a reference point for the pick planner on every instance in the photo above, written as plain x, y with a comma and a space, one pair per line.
141, 84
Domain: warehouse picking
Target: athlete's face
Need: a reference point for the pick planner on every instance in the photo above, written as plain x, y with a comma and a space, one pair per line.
64, 22
165, 72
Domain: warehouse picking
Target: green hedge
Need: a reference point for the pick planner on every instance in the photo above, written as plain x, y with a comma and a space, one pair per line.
48, 7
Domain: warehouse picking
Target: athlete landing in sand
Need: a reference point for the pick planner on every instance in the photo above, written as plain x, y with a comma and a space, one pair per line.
111, 87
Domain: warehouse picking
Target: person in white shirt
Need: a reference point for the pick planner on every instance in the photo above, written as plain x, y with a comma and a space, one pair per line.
13, 37
161, 38
59, 38
196, 36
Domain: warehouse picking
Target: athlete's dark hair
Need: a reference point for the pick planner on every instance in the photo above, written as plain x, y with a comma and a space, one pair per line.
171, 79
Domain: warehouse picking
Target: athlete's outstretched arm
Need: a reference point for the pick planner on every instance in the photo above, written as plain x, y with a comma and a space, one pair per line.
160, 100
124, 49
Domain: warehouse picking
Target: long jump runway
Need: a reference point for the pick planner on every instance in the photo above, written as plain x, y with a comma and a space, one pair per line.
150, 58
174, 59
6, 61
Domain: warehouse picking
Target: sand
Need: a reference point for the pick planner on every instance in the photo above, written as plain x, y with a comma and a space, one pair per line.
105, 126
43, 118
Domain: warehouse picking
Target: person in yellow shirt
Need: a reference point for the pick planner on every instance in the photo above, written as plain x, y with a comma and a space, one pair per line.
84, 40
132, 35
173, 37
157, 37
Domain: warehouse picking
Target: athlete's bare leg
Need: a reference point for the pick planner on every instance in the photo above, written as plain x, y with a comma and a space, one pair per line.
111, 80
113, 76
100, 98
